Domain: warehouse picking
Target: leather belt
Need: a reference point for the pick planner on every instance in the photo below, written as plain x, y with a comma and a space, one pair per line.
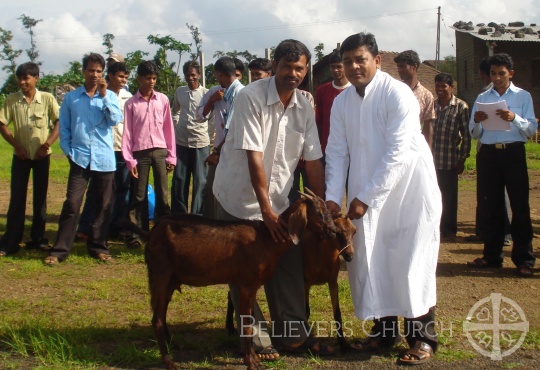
504, 145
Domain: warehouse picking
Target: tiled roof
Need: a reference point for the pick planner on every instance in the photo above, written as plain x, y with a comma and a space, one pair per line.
500, 32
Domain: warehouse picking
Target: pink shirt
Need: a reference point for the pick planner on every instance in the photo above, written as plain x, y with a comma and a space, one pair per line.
148, 125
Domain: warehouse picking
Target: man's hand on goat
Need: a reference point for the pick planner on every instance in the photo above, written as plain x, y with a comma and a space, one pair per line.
276, 225
333, 208
357, 209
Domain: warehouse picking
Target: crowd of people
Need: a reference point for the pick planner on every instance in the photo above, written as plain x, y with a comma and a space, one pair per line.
391, 148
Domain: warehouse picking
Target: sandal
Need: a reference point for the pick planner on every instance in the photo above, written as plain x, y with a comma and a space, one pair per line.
419, 354
525, 271
268, 354
51, 260
104, 257
310, 346
366, 345
483, 263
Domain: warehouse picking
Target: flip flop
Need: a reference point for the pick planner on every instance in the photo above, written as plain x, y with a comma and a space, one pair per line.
483, 263
309, 347
104, 257
268, 354
51, 260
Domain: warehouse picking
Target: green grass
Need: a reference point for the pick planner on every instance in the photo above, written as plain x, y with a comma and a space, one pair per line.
87, 315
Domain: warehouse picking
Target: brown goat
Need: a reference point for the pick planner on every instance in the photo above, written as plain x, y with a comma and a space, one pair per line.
321, 265
196, 251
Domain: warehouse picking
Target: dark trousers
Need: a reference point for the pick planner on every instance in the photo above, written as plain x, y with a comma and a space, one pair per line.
498, 168
138, 206
20, 174
420, 328
190, 162
77, 183
121, 200
448, 184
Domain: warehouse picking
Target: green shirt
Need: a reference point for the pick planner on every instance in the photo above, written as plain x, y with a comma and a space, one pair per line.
32, 122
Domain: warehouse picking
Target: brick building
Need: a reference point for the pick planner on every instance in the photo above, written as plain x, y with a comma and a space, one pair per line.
521, 42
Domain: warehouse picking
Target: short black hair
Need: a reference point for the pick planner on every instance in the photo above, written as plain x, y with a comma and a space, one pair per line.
445, 78
485, 65
191, 64
239, 65
147, 68
291, 50
93, 58
409, 57
117, 67
360, 39
27, 69
335, 57
502, 59
261, 63
226, 66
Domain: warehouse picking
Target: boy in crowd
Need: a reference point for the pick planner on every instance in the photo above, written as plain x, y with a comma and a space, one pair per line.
502, 163
34, 115
451, 147
148, 142
86, 119
325, 95
408, 63
219, 102
117, 75
260, 68
192, 143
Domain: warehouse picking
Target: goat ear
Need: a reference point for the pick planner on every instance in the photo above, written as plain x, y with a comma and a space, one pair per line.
297, 223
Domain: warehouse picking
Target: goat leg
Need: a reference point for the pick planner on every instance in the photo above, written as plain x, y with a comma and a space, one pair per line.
334, 296
229, 319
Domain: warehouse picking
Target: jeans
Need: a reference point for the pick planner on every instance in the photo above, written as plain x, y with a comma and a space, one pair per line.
190, 162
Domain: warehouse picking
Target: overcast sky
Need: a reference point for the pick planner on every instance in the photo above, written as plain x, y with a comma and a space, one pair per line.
71, 28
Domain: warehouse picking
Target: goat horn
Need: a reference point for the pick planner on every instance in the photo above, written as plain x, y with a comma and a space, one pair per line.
310, 192
306, 195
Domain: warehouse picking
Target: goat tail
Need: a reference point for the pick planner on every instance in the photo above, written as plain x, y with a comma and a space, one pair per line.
126, 224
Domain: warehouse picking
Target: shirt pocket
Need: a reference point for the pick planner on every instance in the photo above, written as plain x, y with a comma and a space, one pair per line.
294, 144
38, 119
158, 116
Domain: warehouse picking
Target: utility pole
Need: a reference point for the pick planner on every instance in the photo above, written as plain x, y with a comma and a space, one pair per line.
438, 45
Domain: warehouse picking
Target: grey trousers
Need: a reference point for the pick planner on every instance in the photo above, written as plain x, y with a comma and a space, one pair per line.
285, 296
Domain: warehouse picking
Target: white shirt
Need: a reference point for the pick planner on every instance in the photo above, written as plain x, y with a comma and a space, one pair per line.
118, 130
218, 113
392, 171
187, 130
261, 123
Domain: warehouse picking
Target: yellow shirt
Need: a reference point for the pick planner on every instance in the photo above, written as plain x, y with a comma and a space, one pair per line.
32, 122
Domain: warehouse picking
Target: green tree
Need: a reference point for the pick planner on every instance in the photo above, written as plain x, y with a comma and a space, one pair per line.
29, 24
197, 39
168, 79
319, 52
107, 42
132, 60
7, 53
449, 66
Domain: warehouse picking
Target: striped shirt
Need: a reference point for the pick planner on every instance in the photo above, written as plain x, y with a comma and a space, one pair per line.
451, 140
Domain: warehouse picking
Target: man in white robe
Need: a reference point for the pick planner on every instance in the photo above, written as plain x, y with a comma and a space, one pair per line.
393, 198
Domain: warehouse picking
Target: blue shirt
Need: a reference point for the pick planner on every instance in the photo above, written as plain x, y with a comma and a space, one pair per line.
523, 126
86, 128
